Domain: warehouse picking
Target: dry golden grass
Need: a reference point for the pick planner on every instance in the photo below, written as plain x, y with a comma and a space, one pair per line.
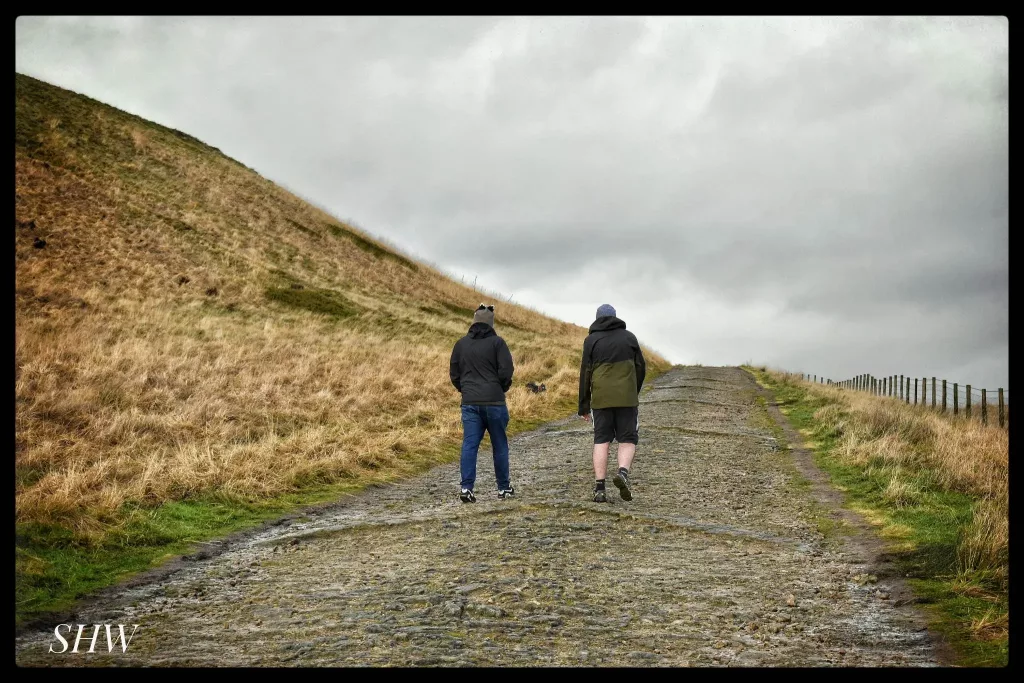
993, 625
152, 363
964, 455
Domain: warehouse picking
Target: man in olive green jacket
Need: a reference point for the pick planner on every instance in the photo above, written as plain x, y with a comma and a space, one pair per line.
611, 376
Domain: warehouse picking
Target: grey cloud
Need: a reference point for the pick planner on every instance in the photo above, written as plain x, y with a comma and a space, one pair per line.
789, 188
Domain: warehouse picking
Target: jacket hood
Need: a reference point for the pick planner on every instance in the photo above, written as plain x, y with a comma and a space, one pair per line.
480, 330
607, 322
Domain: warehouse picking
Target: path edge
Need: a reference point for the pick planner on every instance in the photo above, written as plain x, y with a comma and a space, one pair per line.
856, 531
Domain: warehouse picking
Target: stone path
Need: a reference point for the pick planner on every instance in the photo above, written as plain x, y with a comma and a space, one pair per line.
717, 561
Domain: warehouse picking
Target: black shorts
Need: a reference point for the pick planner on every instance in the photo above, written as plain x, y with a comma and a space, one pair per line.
621, 424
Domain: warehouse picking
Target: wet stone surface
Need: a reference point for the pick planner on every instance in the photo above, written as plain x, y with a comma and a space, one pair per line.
716, 561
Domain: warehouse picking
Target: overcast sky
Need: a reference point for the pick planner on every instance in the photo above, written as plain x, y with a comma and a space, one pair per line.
827, 195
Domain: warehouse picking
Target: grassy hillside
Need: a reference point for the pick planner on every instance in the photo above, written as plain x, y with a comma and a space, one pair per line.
192, 333
937, 488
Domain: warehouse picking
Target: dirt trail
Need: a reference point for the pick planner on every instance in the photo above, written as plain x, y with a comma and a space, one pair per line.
716, 561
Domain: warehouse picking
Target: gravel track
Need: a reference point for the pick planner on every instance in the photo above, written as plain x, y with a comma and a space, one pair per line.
717, 561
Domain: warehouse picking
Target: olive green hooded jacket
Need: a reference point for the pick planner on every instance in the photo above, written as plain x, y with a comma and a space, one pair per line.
613, 368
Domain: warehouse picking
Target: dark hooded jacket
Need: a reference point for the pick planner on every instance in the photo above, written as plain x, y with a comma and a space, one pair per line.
481, 367
613, 368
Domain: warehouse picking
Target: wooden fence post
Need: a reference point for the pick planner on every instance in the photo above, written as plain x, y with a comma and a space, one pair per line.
901, 387
933, 392
984, 407
924, 391
943, 395
908, 390
915, 391
1002, 409
967, 403
955, 399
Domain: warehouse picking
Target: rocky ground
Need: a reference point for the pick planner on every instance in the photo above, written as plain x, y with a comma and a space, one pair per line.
717, 561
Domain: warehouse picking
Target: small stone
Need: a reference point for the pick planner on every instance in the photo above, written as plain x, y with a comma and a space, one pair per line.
452, 609
484, 610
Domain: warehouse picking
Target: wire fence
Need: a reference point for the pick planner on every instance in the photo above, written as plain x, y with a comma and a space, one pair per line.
930, 392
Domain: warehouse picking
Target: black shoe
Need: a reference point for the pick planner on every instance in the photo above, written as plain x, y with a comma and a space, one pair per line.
621, 480
510, 492
600, 496
467, 496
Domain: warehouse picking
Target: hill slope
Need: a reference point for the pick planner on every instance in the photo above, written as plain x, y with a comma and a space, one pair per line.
191, 329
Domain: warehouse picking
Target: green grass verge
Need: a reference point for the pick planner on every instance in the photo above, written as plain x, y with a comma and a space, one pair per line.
922, 532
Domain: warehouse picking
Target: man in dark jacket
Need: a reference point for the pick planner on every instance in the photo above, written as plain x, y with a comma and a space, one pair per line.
481, 368
611, 376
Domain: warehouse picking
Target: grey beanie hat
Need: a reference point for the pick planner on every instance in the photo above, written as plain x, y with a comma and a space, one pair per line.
605, 310
484, 314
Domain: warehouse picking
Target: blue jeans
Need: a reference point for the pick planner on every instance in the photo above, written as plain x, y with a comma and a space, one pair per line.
475, 421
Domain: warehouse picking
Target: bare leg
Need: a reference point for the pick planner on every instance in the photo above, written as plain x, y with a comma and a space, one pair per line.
600, 459
625, 454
